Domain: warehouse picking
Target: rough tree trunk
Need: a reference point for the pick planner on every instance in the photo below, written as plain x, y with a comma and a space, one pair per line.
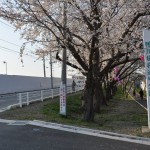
98, 97
88, 98
108, 92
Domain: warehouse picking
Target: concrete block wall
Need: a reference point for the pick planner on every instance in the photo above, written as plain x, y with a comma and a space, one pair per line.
16, 83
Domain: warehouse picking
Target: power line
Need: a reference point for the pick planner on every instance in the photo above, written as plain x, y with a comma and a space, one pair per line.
12, 43
13, 51
25, 49
8, 41
7, 24
9, 49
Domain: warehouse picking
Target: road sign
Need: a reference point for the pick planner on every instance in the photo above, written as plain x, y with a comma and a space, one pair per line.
63, 99
79, 80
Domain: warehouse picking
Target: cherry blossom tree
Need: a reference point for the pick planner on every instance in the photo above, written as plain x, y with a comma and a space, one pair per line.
100, 35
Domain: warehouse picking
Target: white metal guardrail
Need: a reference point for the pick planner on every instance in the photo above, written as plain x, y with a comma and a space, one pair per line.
25, 98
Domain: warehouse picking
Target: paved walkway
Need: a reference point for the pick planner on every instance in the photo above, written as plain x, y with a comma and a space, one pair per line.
142, 103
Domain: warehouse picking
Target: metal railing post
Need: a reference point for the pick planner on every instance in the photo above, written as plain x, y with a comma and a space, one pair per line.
41, 95
27, 98
20, 100
52, 93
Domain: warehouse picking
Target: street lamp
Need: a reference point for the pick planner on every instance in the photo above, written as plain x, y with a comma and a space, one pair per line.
6, 66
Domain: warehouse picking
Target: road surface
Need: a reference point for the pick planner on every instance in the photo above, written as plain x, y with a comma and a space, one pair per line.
29, 137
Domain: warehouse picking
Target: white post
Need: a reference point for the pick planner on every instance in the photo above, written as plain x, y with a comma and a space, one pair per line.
41, 95
20, 100
146, 39
27, 98
52, 93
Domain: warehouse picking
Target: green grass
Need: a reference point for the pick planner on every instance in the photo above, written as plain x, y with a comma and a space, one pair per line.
119, 94
121, 115
73, 110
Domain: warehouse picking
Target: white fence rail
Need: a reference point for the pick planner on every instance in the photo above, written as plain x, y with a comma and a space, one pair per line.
25, 98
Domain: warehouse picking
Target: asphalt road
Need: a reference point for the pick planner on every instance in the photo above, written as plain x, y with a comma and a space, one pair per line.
28, 137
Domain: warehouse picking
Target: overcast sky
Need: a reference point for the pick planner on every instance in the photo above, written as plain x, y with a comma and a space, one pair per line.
10, 44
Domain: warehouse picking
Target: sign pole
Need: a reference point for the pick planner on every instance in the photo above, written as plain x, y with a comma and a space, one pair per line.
63, 87
146, 39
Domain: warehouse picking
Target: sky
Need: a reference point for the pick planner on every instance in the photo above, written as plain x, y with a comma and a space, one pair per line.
10, 43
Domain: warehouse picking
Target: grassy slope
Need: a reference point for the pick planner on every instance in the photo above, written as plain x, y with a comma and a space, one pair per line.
121, 116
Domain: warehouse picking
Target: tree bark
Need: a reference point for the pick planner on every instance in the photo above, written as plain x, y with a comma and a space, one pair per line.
98, 97
88, 98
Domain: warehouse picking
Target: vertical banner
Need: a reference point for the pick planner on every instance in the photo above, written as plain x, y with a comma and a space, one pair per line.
62, 99
146, 40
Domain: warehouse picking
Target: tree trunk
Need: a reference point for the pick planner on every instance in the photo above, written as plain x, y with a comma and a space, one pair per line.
88, 98
98, 97
108, 92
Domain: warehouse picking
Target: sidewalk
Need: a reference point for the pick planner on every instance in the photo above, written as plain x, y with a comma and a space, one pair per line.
142, 103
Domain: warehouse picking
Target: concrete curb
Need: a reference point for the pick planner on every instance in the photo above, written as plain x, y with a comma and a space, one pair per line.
91, 132
138, 102
79, 130
9, 107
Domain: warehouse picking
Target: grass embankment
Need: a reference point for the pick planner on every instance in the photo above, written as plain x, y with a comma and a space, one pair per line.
120, 116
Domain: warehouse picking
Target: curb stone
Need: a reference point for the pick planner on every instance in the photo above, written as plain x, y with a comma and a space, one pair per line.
79, 130
138, 102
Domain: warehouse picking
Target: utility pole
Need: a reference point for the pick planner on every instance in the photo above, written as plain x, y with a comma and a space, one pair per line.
51, 69
63, 73
44, 65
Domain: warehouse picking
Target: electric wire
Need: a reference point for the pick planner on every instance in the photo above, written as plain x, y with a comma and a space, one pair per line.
13, 44
13, 51
7, 24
